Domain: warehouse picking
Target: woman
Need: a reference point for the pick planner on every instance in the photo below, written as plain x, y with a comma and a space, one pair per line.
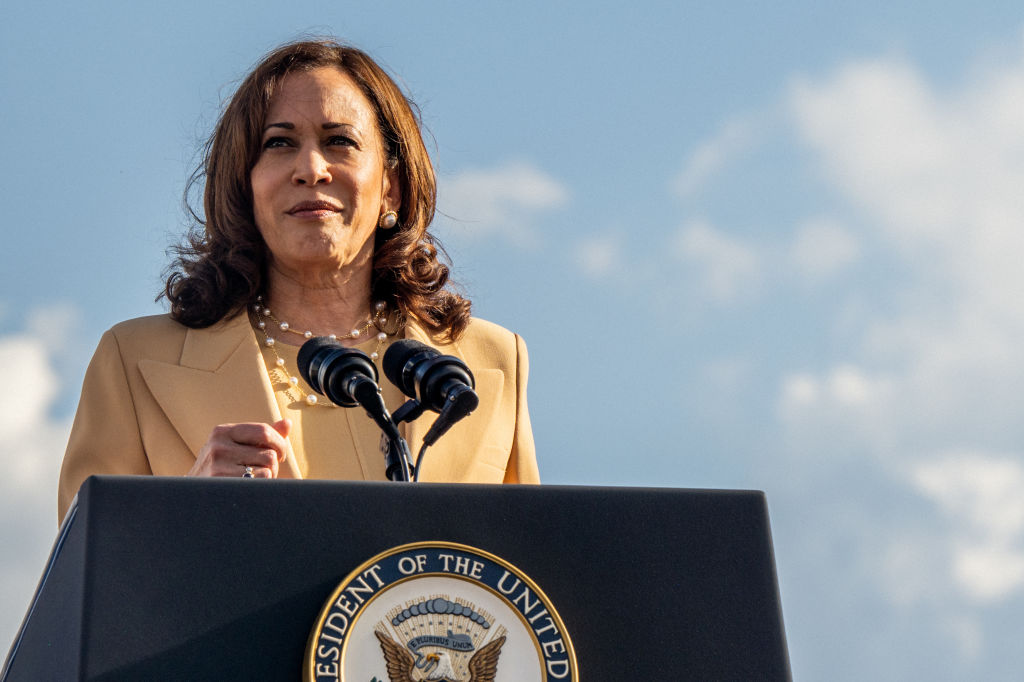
318, 194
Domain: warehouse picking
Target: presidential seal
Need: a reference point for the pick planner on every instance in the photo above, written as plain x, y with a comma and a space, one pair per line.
441, 612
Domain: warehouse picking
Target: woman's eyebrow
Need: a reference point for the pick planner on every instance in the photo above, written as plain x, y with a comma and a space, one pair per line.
330, 125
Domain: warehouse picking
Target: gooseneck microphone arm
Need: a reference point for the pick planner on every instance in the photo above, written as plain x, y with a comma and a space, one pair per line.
348, 378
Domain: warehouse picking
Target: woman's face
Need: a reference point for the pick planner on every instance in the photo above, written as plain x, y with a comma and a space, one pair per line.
321, 183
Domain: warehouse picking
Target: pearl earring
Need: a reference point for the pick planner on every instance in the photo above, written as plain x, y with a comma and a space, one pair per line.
388, 220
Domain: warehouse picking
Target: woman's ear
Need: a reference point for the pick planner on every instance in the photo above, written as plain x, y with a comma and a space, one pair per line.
392, 195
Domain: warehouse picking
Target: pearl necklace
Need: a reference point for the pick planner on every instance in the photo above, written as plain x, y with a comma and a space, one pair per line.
378, 320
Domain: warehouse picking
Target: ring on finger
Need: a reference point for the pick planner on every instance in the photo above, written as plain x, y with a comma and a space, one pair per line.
248, 472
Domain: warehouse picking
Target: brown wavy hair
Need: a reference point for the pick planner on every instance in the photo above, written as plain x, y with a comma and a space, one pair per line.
221, 266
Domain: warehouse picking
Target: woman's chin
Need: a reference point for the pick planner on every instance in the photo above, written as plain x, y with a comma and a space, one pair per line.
314, 267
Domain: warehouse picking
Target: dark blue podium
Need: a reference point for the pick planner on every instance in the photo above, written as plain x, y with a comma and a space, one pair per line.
185, 579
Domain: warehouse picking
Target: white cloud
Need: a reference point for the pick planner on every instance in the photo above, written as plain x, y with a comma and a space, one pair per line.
934, 357
823, 247
881, 132
982, 497
31, 374
503, 201
726, 267
848, 404
31, 448
52, 325
939, 174
713, 154
916, 226
599, 255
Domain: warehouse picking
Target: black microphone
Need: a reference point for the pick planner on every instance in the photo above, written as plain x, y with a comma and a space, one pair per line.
346, 376
442, 383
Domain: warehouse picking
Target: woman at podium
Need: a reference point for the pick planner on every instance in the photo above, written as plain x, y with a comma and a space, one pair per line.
318, 194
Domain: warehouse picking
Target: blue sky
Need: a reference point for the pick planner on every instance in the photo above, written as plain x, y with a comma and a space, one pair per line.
747, 247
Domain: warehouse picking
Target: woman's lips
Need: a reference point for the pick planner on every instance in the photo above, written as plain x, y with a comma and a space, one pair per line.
313, 209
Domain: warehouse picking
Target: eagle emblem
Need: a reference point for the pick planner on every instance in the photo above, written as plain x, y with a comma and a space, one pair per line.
401, 664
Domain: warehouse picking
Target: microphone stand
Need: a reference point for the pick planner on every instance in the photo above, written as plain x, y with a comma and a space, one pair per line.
397, 457
396, 449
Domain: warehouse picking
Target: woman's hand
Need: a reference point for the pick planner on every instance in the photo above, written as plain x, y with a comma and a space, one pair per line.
233, 447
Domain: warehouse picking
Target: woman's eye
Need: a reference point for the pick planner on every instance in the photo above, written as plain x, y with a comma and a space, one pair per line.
341, 140
276, 142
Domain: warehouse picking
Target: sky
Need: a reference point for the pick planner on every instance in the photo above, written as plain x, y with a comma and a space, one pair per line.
772, 248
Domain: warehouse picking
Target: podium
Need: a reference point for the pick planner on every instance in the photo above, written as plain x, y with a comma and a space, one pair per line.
214, 579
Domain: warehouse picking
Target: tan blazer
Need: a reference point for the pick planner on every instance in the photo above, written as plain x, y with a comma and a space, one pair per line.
155, 389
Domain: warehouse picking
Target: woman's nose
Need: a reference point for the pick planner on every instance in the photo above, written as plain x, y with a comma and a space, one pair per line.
311, 168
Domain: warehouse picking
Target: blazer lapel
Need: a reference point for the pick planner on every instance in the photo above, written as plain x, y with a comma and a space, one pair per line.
455, 455
220, 379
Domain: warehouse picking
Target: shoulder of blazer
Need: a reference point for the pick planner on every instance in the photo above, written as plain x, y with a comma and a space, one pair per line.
160, 338
157, 335
484, 345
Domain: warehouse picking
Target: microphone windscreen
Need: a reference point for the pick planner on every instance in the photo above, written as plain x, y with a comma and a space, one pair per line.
395, 359
309, 350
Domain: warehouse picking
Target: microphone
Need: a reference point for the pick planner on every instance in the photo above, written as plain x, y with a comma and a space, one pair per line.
442, 383
346, 376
